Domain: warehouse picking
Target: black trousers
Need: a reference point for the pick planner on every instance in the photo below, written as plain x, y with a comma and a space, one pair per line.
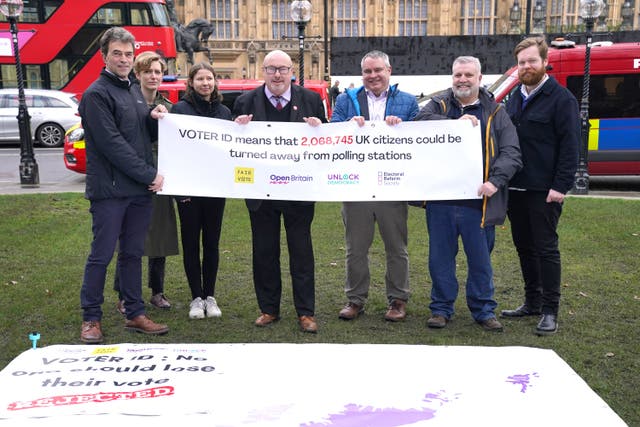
156, 276
265, 231
201, 218
533, 228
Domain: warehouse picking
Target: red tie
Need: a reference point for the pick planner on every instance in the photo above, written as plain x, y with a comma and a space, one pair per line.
278, 103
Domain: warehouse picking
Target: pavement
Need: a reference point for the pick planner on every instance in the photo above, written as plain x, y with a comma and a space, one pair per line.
54, 177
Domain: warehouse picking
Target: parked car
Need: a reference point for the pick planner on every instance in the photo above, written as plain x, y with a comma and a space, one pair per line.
52, 113
75, 156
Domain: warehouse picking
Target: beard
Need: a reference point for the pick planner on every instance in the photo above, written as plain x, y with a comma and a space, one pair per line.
531, 78
464, 92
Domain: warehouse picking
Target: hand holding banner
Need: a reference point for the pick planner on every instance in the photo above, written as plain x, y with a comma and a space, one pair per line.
424, 160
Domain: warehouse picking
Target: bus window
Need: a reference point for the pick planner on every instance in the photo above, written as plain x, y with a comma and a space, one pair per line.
9, 78
108, 15
33, 77
30, 12
51, 6
160, 14
140, 15
38, 11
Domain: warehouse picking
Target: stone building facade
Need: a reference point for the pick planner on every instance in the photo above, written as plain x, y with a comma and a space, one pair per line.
248, 29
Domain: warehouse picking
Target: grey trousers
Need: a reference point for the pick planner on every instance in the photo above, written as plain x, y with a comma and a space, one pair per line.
359, 223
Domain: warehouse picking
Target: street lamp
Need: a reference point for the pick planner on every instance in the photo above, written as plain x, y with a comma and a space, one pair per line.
539, 16
301, 14
627, 17
515, 15
601, 24
28, 167
589, 11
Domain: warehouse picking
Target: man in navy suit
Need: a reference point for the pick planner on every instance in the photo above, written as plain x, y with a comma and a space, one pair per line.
280, 101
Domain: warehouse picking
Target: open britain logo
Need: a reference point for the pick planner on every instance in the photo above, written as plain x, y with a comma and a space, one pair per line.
288, 179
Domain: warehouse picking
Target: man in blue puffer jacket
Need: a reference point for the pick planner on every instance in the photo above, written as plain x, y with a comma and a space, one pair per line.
375, 101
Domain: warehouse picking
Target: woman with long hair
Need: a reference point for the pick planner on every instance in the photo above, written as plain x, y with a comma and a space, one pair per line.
201, 217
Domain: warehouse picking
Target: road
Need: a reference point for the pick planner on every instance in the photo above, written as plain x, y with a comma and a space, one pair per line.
56, 178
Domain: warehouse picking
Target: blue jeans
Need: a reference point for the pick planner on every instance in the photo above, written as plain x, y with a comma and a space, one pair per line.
445, 224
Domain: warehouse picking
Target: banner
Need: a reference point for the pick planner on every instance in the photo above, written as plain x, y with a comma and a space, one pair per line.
424, 160
294, 385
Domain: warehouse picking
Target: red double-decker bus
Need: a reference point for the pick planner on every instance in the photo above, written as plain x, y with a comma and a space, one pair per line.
59, 39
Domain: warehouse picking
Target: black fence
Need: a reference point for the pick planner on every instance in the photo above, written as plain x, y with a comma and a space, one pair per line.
433, 55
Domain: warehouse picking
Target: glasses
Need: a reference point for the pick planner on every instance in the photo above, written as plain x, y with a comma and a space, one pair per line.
272, 70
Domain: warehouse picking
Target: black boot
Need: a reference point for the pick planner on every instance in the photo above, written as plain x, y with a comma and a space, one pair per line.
547, 325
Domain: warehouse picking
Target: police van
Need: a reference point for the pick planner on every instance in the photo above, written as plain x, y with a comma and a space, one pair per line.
614, 99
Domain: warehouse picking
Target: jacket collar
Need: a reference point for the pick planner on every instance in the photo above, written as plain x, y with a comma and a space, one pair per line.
117, 81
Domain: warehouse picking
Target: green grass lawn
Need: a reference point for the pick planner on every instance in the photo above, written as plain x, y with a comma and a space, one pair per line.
44, 242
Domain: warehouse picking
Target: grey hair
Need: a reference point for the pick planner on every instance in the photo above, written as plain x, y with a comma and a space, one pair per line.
115, 34
468, 60
376, 54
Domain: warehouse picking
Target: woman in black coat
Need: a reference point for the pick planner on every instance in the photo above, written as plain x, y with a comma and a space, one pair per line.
201, 217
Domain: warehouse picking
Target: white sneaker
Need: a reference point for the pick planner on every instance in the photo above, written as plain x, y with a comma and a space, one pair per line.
212, 307
196, 309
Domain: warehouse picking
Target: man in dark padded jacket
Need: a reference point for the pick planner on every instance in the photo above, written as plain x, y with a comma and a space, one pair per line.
473, 219
120, 180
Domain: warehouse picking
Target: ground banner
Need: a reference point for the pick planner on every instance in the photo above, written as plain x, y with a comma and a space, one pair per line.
302, 385
424, 160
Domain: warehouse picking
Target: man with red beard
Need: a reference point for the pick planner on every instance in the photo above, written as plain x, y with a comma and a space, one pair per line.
547, 119
473, 220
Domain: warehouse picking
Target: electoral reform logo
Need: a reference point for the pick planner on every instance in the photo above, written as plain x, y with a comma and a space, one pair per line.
386, 178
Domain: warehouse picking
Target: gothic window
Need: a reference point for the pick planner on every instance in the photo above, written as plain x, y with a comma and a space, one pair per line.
226, 19
412, 18
478, 17
350, 18
281, 23
562, 15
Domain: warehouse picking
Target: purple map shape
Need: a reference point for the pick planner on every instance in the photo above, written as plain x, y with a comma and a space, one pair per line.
355, 415
522, 379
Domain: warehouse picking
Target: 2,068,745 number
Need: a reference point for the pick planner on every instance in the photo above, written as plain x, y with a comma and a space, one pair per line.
326, 140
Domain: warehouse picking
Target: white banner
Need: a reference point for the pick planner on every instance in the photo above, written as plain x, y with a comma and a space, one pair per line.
287, 385
425, 160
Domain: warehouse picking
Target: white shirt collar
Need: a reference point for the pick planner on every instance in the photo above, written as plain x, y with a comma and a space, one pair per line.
285, 96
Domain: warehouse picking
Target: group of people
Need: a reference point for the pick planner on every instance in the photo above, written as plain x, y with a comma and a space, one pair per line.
529, 152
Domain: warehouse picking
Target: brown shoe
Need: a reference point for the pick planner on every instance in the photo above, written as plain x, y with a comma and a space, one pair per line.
160, 301
437, 321
91, 332
396, 312
145, 325
308, 324
266, 319
351, 311
120, 307
492, 324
